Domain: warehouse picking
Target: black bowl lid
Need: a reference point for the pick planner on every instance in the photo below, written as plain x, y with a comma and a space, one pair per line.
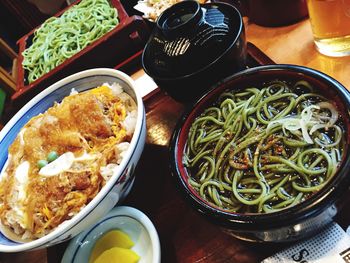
189, 37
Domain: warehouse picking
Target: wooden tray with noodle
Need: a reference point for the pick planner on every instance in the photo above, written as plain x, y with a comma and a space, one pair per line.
127, 38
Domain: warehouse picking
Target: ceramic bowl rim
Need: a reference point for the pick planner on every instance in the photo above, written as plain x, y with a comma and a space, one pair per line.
67, 226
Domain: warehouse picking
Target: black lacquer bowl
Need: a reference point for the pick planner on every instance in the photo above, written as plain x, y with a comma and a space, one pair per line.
193, 46
290, 224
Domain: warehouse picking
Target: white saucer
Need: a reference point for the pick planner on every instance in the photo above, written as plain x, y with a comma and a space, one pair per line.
127, 219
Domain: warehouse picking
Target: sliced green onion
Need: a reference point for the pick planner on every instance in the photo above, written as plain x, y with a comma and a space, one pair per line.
52, 156
42, 163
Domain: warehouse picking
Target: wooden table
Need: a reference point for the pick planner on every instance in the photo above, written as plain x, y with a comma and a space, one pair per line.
294, 45
185, 236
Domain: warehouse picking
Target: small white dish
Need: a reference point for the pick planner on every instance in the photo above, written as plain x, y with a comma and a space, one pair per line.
127, 219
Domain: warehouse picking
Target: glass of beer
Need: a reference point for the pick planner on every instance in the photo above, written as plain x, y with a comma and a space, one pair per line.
330, 22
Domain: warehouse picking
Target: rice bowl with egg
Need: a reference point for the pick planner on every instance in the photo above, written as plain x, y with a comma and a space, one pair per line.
90, 131
113, 172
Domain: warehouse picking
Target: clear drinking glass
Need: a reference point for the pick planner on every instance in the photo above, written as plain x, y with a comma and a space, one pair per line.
330, 21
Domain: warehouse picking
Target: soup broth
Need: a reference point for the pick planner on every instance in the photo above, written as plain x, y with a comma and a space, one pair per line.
263, 150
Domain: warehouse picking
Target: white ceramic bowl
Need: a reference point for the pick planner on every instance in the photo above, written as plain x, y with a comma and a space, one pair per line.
115, 189
127, 219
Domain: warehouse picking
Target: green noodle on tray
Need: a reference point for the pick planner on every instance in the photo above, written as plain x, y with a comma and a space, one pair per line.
263, 150
59, 38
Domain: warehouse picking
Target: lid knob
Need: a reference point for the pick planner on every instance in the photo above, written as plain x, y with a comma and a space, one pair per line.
180, 18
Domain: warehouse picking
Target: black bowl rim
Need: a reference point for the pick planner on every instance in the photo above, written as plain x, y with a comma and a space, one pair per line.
178, 6
240, 31
309, 208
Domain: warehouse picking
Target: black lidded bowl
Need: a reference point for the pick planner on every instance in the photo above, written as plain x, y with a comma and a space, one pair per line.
193, 46
290, 224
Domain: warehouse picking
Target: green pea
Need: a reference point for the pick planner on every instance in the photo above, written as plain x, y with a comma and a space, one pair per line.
42, 163
52, 156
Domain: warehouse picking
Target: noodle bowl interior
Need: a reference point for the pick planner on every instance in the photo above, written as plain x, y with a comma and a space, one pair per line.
261, 150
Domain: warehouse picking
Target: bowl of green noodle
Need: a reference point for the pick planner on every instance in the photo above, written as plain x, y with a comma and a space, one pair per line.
264, 154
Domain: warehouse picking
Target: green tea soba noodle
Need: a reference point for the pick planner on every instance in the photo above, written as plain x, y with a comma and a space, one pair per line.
60, 38
263, 150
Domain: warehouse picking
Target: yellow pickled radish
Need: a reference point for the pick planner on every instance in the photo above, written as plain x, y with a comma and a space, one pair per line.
118, 254
114, 238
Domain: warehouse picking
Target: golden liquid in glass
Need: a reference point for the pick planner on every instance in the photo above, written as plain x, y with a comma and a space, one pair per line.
330, 21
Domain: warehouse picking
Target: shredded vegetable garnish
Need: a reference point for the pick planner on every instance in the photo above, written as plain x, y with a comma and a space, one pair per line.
60, 38
158, 6
263, 150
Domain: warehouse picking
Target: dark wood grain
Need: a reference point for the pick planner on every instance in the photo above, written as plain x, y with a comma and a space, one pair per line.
24, 257
184, 234
24, 13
